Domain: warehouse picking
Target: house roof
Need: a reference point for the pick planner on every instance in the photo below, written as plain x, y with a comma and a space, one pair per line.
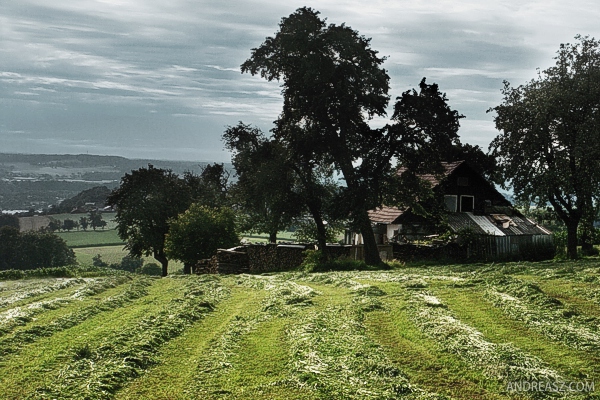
495, 225
385, 215
449, 167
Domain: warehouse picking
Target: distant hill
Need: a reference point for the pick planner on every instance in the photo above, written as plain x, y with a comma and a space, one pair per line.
36, 181
96, 196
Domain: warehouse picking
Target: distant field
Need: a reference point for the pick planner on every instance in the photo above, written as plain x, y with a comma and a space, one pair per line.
100, 237
458, 332
114, 254
262, 238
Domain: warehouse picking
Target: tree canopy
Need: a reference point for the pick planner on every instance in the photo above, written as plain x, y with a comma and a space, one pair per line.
549, 146
198, 232
31, 250
266, 189
146, 200
332, 84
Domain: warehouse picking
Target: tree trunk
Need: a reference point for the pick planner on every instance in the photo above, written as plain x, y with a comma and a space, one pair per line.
321, 230
187, 268
371, 251
273, 237
572, 238
162, 259
361, 216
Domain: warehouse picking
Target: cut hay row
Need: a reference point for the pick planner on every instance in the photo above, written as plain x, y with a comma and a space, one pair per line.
13, 343
502, 362
332, 354
526, 302
41, 288
284, 299
21, 315
97, 373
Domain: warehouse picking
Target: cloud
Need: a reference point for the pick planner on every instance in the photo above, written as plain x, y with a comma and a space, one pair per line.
165, 75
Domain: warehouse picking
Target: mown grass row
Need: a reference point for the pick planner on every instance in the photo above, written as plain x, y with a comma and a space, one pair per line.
284, 300
15, 342
21, 315
98, 372
526, 302
39, 288
502, 362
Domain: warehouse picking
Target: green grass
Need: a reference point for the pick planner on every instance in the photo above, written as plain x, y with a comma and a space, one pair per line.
114, 254
355, 334
100, 237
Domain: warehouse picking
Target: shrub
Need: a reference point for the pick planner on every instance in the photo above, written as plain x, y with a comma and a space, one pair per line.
152, 269
313, 263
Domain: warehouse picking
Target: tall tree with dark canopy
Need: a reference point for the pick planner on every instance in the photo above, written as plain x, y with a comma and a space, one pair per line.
146, 200
332, 84
549, 146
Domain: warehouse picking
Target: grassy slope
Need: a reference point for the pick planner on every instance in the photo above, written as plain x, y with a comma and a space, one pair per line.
252, 342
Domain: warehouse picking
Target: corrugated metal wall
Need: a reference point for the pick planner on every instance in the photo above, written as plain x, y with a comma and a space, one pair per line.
502, 246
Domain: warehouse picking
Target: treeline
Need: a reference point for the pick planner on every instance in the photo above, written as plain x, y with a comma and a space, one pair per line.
31, 250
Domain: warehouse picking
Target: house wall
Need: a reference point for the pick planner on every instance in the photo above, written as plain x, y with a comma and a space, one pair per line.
476, 186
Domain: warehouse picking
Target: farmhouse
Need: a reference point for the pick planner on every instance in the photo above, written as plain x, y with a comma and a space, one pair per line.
472, 207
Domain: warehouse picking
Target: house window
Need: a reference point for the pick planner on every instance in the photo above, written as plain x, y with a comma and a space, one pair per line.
463, 181
450, 201
467, 203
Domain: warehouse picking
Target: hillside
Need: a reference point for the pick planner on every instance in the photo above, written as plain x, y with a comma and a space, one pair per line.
456, 331
39, 180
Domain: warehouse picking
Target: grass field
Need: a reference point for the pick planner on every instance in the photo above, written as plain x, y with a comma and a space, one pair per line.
416, 333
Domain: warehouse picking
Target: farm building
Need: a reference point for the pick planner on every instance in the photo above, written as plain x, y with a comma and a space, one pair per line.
473, 207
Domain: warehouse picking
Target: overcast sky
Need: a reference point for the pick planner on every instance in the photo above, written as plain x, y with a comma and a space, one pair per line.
161, 79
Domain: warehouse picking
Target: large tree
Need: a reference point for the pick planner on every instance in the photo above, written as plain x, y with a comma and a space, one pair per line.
146, 201
332, 84
549, 146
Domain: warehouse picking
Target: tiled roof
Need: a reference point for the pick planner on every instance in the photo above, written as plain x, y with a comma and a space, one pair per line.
449, 167
385, 215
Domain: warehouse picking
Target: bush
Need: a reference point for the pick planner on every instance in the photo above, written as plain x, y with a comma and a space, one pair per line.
537, 251
313, 263
152, 269
31, 250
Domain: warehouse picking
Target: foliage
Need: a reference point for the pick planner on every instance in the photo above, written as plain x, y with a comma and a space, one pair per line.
151, 269
84, 223
31, 250
314, 262
197, 233
146, 201
332, 84
9, 220
96, 220
306, 231
267, 189
69, 224
549, 148
211, 187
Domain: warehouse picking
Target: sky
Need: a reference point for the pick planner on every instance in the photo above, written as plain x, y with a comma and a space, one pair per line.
161, 79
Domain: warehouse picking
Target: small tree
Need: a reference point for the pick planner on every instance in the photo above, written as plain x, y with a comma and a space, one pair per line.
199, 232
69, 224
96, 220
84, 223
